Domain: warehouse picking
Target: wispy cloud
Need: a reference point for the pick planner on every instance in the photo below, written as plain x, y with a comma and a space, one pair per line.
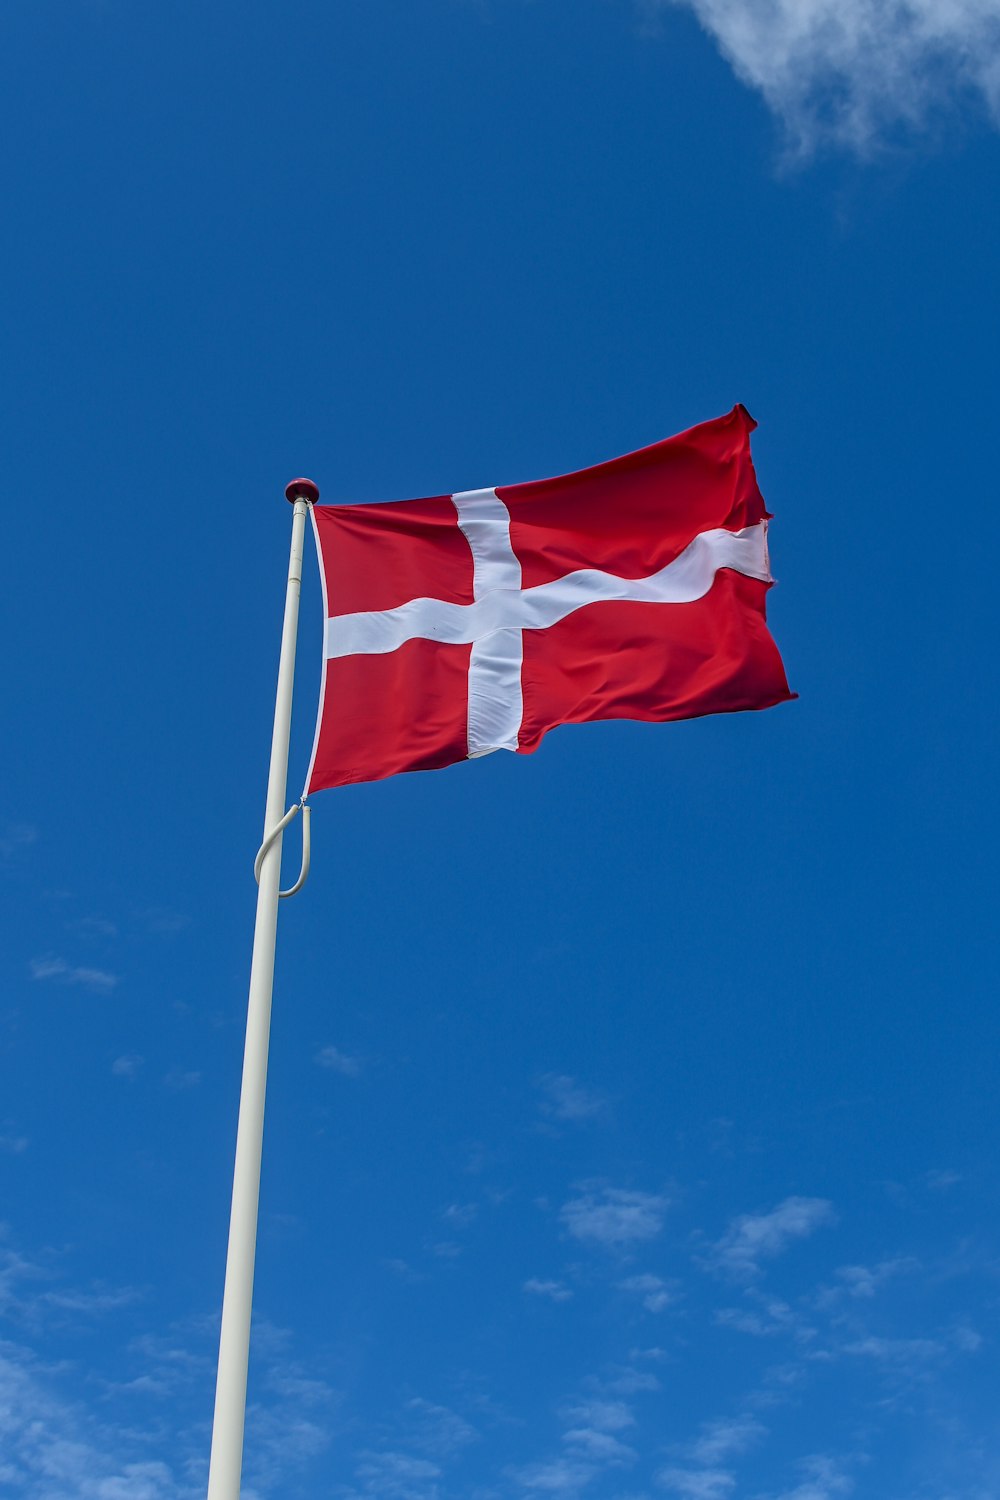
564, 1098
179, 1080
17, 836
126, 1066
906, 1355
823, 1479
402, 1268
939, 1179
726, 1438
73, 1432
163, 921
697, 1484
417, 1446
966, 1339
15, 1271
398, 1476
93, 1302
857, 73
564, 1476
336, 1061
654, 1291
705, 1472
290, 1422
55, 1447
436, 1430
864, 1281
614, 1217
595, 1445
752, 1238
599, 1413
591, 1444
765, 1317
556, 1291
628, 1381
13, 1144
460, 1215
100, 981
283, 1437
93, 927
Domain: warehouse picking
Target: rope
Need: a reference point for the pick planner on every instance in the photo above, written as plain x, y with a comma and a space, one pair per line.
276, 832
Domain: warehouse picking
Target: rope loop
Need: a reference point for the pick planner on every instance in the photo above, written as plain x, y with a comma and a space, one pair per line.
276, 832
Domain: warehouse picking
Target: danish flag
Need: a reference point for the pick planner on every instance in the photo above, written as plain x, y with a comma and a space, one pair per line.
474, 622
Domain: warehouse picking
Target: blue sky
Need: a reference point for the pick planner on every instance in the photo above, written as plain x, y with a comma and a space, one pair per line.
631, 1122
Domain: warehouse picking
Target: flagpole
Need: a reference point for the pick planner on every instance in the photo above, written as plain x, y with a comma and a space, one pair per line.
226, 1462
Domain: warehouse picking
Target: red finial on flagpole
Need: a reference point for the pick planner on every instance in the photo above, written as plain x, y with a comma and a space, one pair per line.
302, 489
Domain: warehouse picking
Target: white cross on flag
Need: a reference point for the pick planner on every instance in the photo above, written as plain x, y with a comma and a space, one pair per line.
478, 621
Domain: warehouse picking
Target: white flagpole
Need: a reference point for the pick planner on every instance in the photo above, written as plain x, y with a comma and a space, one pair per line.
226, 1462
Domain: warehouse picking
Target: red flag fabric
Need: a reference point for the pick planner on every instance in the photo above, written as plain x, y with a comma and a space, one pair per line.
479, 621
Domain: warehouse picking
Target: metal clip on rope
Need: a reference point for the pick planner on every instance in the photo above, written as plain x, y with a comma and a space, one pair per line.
279, 828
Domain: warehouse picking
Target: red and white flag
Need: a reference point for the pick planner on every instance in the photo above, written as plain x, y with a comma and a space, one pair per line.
479, 621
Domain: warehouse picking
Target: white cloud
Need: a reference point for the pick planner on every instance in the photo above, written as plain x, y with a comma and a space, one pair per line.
437, 1430
98, 1300
290, 1424
856, 73
767, 1316
126, 1066
98, 980
864, 1281
93, 927
402, 1268
705, 1474
15, 1270
281, 1436
592, 1442
559, 1476
823, 1480
163, 921
628, 1381
605, 1416
726, 1438
338, 1062
563, 1098
14, 1144
409, 1464
53, 1449
904, 1354
967, 1339
599, 1447
752, 1238
180, 1081
940, 1179
460, 1215
653, 1290
398, 1476
69, 1432
287, 1425
446, 1250
697, 1484
558, 1291
614, 1217
49, 968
